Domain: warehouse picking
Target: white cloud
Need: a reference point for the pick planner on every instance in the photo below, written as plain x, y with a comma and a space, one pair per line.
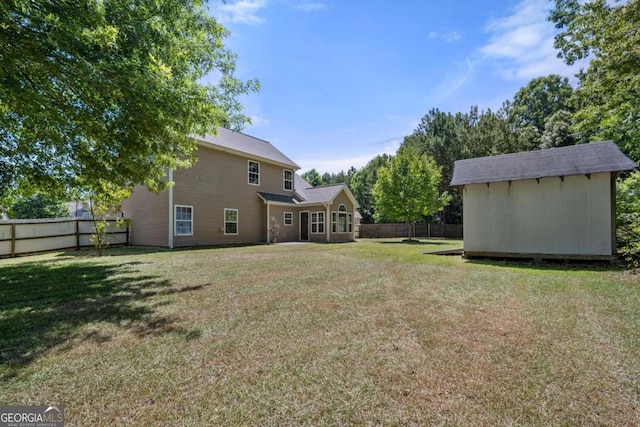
343, 163
243, 11
452, 82
520, 45
258, 121
452, 36
448, 37
309, 7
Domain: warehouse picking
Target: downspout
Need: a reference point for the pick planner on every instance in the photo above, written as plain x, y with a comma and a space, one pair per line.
268, 232
327, 225
170, 240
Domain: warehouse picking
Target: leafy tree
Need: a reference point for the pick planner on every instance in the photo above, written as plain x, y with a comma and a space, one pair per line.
558, 130
105, 200
608, 98
312, 177
327, 178
407, 189
628, 218
362, 184
449, 137
39, 206
109, 90
536, 102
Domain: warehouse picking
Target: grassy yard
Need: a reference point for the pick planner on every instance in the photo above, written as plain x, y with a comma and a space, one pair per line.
365, 333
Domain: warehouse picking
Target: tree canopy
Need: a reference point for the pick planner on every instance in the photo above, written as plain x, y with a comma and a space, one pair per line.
407, 188
39, 206
111, 90
533, 104
312, 177
608, 97
362, 186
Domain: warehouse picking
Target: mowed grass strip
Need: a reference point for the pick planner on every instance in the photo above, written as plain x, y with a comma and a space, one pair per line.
366, 333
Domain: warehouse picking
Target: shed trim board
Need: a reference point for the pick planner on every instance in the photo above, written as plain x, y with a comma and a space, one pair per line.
557, 203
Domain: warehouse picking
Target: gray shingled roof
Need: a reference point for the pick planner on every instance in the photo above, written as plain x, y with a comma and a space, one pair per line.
315, 195
305, 193
280, 198
240, 143
573, 160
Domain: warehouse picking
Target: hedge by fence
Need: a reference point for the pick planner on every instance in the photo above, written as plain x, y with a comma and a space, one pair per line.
374, 231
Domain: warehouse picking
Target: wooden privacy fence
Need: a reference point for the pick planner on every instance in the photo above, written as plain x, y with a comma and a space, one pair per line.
23, 236
373, 231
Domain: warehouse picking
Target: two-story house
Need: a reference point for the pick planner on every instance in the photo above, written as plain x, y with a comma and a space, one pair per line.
233, 194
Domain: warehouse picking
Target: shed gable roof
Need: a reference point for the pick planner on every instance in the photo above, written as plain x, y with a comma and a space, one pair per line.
563, 161
239, 143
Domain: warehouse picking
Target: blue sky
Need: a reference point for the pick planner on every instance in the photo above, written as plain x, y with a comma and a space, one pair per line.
345, 80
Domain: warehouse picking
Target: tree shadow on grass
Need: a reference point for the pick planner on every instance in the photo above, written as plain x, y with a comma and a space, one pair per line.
416, 241
49, 304
550, 264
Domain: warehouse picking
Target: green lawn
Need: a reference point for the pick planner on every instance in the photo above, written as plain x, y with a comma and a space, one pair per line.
365, 333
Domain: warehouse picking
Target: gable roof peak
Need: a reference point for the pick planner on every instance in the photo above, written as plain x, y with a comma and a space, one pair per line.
595, 157
246, 145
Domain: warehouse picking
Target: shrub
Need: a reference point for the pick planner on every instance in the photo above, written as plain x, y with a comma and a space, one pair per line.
628, 219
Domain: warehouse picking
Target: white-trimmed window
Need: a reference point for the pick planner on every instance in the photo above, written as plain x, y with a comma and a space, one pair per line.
342, 219
254, 172
183, 220
230, 221
350, 219
287, 178
317, 222
288, 218
334, 222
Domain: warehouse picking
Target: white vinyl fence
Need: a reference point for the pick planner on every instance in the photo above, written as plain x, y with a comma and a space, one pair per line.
23, 236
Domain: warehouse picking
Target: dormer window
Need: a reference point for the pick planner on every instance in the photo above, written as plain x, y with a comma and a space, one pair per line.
288, 179
254, 173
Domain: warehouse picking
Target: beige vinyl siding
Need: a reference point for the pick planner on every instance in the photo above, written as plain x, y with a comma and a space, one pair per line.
286, 233
342, 199
149, 215
217, 181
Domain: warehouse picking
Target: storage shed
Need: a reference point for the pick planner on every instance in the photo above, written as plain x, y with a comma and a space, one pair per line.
555, 203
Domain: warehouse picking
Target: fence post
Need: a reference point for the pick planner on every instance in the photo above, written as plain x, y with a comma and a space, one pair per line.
13, 240
77, 235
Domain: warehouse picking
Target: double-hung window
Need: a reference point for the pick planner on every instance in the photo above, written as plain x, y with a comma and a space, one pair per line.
254, 172
317, 222
230, 221
183, 217
288, 218
288, 179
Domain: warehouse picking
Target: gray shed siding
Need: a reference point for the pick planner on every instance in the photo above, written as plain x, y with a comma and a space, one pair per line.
572, 216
